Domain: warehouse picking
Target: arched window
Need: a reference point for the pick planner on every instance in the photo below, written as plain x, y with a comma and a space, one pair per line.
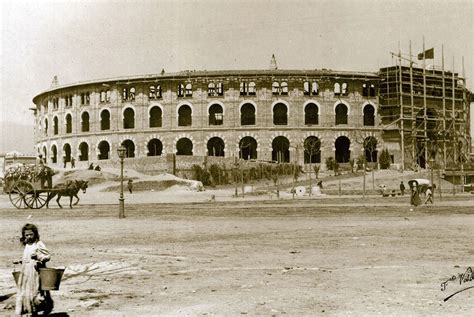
248, 148
337, 89
54, 153
131, 95
129, 119
105, 120
211, 90
189, 90
130, 146
284, 88
280, 114
312, 150
369, 115
45, 126
311, 114
343, 154
247, 114
344, 89
185, 116
55, 125
155, 147
281, 149
184, 146
68, 123
341, 114
85, 122
252, 89
180, 90
215, 147
66, 153
83, 151
216, 115
155, 117
45, 154
104, 149
276, 88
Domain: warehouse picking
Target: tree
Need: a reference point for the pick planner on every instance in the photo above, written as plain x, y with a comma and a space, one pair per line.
385, 160
312, 146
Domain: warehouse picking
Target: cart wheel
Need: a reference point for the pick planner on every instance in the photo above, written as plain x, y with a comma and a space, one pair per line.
36, 199
19, 192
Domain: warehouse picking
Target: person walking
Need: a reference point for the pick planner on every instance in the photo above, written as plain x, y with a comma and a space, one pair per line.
73, 162
415, 196
30, 299
402, 188
429, 195
130, 185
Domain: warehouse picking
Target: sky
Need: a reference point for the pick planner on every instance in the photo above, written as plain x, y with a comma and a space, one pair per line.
87, 40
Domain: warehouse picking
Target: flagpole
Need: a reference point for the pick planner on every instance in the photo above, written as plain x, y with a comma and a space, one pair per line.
424, 102
444, 107
453, 127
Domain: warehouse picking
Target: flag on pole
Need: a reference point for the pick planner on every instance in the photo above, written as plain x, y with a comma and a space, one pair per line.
429, 54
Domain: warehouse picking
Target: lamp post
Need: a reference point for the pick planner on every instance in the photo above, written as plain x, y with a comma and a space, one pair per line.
432, 161
121, 151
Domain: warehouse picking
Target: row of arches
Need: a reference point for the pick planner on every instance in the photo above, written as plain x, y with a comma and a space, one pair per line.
248, 115
248, 149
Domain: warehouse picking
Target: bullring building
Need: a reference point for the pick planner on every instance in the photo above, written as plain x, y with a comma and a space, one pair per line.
263, 115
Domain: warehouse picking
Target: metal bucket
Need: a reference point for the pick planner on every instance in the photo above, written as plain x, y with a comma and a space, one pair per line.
50, 278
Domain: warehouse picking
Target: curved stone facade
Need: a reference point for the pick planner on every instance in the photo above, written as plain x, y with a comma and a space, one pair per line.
262, 114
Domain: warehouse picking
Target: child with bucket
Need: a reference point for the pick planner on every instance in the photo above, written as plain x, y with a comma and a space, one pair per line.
30, 299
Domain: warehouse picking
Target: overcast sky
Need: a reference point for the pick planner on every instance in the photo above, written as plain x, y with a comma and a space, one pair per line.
85, 40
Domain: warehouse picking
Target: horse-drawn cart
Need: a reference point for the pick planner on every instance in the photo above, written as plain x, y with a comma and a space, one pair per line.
29, 186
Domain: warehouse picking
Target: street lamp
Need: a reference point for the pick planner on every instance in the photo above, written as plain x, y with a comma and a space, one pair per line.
121, 151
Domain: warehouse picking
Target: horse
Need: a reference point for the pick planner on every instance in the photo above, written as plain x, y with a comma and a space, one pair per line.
70, 188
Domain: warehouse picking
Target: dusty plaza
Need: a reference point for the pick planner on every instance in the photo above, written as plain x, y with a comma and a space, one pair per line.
334, 256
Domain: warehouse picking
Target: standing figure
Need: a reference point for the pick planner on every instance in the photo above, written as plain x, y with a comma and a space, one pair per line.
415, 196
429, 195
402, 188
73, 162
29, 298
130, 185
91, 166
64, 161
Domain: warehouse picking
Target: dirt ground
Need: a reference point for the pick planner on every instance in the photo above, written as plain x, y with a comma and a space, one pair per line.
314, 257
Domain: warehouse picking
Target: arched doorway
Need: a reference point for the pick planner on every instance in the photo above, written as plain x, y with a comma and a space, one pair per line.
85, 122
66, 153
215, 147
281, 149
54, 153
248, 148
343, 154
216, 115
312, 150
104, 149
68, 123
84, 151
184, 146
130, 146
155, 147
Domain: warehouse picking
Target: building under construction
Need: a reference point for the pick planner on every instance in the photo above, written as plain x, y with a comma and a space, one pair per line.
425, 116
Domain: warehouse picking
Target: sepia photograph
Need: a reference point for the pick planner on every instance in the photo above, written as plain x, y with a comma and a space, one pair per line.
236, 158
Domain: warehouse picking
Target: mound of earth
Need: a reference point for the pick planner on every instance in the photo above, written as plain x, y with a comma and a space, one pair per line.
94, 177
160, 183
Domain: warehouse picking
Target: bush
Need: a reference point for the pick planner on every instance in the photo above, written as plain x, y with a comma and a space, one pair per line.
360, 162
384, 159
330, 162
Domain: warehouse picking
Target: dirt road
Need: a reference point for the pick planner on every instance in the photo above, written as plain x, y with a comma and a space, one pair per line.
294, 258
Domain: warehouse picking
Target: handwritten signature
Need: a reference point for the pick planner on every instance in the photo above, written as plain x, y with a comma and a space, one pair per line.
465, 277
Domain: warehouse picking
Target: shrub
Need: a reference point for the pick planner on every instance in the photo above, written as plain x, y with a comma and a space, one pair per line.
330, 163
384, 159
360, 162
